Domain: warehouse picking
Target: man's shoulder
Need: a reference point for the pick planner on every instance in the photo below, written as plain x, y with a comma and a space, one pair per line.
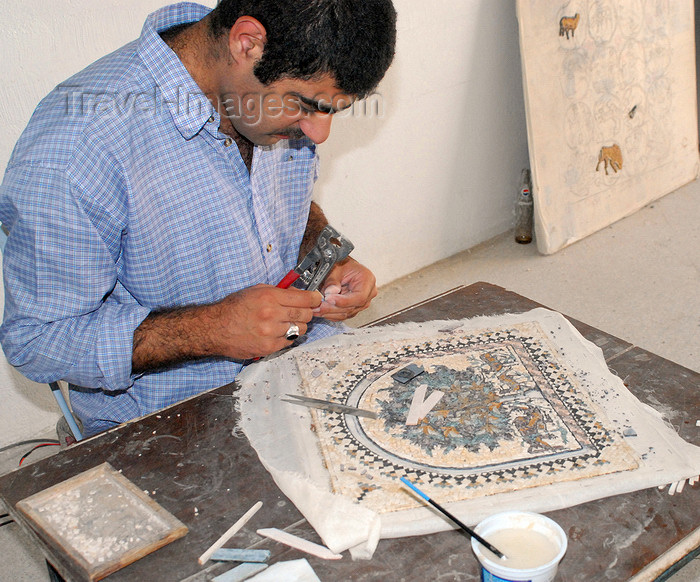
93, 106
111, 71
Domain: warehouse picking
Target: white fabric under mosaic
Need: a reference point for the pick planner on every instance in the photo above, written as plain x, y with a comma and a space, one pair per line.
529, 418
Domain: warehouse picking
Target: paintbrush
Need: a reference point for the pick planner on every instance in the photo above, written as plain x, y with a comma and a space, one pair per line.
470, 532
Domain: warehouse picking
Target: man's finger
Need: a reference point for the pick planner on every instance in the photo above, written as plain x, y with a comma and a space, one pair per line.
299, 298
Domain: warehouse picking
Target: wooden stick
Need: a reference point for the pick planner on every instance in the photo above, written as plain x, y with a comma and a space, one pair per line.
299, 543
230, 533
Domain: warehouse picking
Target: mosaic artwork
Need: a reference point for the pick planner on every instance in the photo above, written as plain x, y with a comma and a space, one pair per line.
512, 415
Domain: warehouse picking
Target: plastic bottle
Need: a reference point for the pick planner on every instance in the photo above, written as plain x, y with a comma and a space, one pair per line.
524, 210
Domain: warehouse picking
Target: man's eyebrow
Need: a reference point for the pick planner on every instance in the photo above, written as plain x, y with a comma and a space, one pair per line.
321, 106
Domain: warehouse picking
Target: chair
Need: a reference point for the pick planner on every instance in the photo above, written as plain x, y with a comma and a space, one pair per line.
65, 409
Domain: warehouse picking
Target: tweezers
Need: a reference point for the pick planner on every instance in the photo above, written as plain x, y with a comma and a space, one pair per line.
326, 405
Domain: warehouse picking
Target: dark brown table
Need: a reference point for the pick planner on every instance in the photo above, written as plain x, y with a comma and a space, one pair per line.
207, 474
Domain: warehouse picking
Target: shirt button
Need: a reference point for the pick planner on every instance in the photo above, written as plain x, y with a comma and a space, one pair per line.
269, 247
228, 141
211, 119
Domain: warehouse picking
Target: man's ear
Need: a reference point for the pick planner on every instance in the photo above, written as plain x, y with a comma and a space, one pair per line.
246, 39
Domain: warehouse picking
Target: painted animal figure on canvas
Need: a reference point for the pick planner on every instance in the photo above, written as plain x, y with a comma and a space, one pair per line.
610, 156
568, 25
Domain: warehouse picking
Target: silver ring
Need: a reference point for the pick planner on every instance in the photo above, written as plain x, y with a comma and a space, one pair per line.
292, 332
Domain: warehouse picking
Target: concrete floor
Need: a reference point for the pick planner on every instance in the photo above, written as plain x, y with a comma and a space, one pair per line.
638, 279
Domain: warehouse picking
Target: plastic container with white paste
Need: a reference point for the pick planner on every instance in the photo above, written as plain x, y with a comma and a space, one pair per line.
532, 543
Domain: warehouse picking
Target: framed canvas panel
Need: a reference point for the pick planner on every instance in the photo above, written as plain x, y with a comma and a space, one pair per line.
611, 104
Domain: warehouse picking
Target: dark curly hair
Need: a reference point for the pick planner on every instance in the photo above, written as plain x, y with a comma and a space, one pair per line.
352, 40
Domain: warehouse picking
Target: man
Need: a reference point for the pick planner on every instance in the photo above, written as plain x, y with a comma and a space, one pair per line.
157, 197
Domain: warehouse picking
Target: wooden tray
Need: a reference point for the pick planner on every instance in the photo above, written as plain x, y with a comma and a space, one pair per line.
101, 520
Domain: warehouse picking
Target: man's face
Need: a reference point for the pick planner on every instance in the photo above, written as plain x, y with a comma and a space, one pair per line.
286, 109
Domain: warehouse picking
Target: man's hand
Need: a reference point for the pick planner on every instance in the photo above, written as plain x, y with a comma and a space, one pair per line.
348, 289
254, 321
247, 324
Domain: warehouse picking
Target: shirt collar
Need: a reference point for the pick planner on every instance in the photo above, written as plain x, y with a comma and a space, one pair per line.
188, 106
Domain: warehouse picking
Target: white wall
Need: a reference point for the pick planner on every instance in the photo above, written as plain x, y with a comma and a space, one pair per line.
435, 174
438, 173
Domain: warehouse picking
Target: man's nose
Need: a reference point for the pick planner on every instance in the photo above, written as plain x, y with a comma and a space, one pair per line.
317, 127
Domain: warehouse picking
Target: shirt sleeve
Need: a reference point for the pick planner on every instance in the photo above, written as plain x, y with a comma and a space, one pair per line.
66, 315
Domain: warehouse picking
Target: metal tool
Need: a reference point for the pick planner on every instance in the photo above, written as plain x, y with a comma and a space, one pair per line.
408, 373
326, 405
330, 247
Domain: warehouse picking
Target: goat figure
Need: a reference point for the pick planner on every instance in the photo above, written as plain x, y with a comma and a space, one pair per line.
610, 156
568, 25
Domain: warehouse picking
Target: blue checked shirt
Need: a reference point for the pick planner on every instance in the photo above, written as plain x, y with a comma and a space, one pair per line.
122, 197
